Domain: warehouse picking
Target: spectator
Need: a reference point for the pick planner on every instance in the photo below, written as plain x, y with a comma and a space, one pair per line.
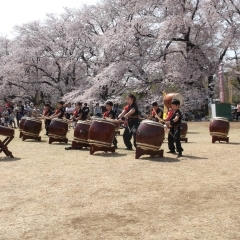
12, 120
238, 111
98, 111
85, 111
2, 121
69, 111
19, 112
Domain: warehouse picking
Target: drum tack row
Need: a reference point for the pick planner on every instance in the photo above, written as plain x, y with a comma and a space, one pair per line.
98, 134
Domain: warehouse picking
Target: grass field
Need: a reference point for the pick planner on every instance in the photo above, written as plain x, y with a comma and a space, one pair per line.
47, 192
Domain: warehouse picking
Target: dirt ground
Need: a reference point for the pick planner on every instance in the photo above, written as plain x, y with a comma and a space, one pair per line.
47, 192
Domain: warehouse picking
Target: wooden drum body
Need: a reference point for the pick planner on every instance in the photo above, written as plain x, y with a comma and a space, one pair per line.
22, 121
101, 135
7, 132
219, 129
170, 96
81, 133
150, 135
31, 129
57, 130
117, 128
183, 132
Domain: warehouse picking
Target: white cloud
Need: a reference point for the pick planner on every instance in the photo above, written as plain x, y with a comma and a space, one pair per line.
17, 12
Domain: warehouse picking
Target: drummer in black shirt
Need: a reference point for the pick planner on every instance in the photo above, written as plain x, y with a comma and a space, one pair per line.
110, 114
156, 112
130, 113
85, 110
78, 113
174, 124
59, 113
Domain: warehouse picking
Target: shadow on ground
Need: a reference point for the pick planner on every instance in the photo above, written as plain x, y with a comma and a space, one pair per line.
8, 159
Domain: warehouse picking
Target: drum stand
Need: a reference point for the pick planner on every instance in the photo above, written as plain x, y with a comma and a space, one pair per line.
94, 148
20, 134
152, 153
25, 137
60, 140
216, 138
4, 148
184, 139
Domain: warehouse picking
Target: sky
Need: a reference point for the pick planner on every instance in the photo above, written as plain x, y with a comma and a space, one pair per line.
17, 12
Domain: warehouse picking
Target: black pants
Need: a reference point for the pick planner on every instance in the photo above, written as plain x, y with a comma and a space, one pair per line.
47, 123
174, 136
130, 132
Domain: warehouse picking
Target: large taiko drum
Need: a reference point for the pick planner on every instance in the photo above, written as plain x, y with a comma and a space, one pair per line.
150, 135
101, 133
81, 132
58, 128
184, 129
170, 96
7, 132
32, 127
22, 121
219, 127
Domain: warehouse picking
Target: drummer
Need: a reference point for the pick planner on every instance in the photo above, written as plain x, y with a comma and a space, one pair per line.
78, 113
156, 112
46, 113
59, 113
110, 114
130, 113
173, 123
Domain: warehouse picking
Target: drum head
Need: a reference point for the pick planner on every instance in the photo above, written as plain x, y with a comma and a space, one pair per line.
104, 121
150, 122
59, 120
84, 122
179, 97
221, 119
33, 119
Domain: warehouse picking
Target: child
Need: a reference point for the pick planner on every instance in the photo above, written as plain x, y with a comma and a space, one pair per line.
174, 124
156, 112
110, 114
11, 120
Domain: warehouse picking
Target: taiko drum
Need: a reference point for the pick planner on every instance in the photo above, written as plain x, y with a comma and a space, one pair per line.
58, 128
219, 127
184, 129
170, 96
101, 133
150, 135
7, 132
81, 132
32, 127
22, 121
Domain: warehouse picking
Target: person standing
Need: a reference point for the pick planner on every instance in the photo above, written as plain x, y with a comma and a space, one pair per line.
130, 114
46, 113
156, 112
97, 110
238, 111
85, 111
19, 112
173, 123
59, 112
69, 111
12, 120
110, 114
